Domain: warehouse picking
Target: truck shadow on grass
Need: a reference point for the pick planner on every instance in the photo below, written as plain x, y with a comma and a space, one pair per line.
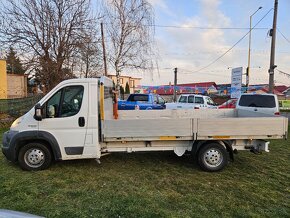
134, 160
156, 161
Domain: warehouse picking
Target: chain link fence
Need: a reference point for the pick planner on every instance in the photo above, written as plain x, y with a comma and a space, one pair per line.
18, 106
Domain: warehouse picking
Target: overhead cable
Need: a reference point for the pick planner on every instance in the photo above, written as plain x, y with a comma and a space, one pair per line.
221, 56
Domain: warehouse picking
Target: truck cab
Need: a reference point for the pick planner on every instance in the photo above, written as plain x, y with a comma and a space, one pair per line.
63, 125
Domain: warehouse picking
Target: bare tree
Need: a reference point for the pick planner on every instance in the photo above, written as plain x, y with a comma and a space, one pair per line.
48, 31
90, 56
130, 29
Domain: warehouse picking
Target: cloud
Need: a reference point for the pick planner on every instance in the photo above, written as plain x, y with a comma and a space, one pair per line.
191, 49
158, 3
212, 14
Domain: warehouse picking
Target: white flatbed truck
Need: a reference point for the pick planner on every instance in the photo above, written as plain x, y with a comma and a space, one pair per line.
75, 121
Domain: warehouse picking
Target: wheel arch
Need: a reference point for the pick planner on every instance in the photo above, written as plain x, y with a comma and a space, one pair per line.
227, 144
43, 137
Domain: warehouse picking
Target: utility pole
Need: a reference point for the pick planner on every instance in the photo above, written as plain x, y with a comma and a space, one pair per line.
175, 84
104, 50
272, 58
249, 51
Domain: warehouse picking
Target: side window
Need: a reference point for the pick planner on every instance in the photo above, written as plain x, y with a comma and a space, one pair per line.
52, 105
65, 103
183, 99
155, 99
199, 100
138, 97
191, 99
161, 100
72, 101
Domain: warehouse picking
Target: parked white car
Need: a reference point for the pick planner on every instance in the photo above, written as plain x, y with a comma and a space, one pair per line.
192, 101
259, 103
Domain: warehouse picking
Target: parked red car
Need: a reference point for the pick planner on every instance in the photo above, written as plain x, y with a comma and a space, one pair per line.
229, 104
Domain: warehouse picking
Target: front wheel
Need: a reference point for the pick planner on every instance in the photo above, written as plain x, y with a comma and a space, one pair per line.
34, 156
212, 157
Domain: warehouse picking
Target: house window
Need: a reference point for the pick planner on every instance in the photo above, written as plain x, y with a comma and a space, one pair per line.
132, 84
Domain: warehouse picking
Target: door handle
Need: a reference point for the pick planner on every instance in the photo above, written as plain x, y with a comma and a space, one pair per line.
82, 121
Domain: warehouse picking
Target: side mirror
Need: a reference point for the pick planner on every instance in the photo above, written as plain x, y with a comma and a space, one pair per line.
51, 111
38, 112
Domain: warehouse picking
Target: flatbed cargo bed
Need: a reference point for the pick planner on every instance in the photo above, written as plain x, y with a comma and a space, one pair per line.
193, 125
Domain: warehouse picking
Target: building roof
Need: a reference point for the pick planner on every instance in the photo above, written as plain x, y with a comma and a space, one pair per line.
201, 84
287, 90
121, 76
206, 87
266, 90
224, 84
281, 88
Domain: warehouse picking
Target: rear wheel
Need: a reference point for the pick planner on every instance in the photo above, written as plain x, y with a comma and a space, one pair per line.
34, 156
212, 157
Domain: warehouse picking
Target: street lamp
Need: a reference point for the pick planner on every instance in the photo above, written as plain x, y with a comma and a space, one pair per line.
249, 53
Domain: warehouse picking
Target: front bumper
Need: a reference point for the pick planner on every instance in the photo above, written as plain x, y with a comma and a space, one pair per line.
8, 150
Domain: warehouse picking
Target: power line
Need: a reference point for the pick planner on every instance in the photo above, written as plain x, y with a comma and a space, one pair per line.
221, 56
284, 36
239, 51
278, 81
207, 73
196, 27
205, 28
285, 74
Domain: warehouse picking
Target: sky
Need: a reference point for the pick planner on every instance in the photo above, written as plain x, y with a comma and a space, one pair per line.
182, 40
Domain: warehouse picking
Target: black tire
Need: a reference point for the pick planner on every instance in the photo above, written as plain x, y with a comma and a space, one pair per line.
212, 157
34, 156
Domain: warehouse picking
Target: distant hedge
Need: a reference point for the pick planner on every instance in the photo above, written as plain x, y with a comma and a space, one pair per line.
18, 106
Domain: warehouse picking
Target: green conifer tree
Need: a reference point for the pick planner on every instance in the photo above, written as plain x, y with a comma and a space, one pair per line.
127, 88
14, 64
122, 92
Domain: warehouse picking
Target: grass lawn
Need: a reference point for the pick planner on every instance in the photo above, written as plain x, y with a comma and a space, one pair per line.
152, 185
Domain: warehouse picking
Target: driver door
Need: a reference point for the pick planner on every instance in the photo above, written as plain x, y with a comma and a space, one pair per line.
65, 118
